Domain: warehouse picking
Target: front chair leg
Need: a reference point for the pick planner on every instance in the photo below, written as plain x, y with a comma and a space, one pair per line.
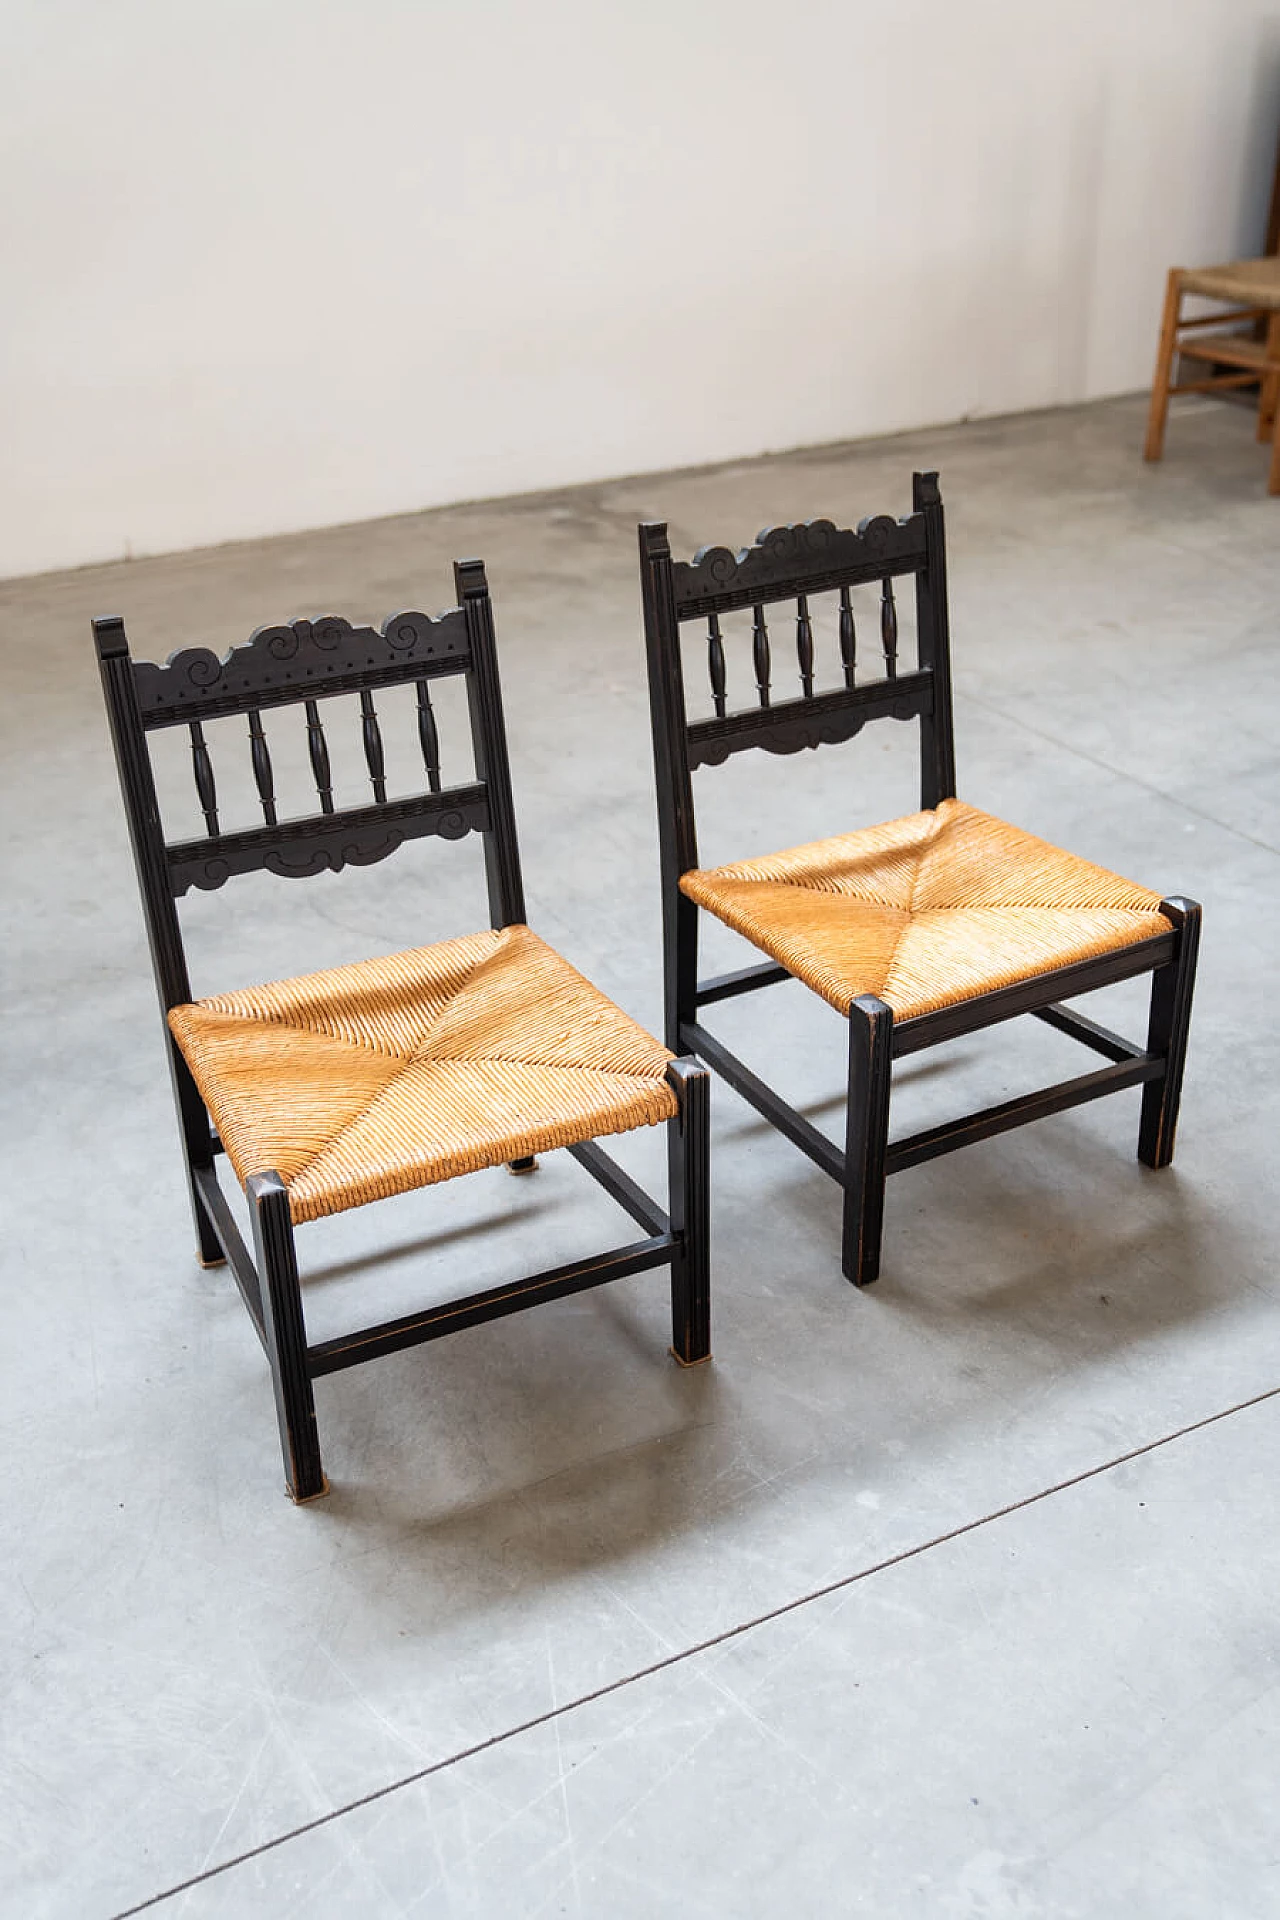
866, 1137
1160, 385
1171, 991
286, 1335
689, 1168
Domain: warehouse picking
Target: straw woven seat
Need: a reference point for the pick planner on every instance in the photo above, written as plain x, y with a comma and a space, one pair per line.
926, 911
372, 1079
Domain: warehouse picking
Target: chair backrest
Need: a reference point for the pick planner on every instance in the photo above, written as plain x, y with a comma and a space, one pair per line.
304, 664
796, 564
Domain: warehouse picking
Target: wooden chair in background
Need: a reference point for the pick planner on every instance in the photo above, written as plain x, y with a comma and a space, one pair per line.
1241, 362
1248, 352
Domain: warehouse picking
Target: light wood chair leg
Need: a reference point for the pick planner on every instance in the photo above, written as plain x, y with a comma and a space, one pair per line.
1269, 404
1269, 390
1154, 448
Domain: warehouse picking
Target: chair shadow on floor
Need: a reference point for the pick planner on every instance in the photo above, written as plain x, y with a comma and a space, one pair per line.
445, 1239
1060, 1292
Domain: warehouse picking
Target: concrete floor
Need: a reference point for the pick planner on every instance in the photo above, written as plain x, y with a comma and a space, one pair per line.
955, 1598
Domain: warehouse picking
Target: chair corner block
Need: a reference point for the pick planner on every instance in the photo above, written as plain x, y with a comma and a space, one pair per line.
264, 1187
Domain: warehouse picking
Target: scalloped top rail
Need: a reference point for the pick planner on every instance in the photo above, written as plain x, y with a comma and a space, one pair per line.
299, 661
812, 557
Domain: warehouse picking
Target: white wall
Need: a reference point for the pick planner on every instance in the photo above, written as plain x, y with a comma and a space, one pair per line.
271, 264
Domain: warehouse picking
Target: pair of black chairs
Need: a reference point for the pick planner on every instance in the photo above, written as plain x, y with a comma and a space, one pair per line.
338, 1088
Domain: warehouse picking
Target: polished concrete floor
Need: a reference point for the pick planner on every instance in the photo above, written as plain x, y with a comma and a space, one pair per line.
955, 1598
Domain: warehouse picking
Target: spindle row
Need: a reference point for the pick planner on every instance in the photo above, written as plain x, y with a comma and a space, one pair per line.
318, 754
761, 650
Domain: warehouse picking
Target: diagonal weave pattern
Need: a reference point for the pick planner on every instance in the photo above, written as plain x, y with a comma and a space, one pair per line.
928, 910
369, 1080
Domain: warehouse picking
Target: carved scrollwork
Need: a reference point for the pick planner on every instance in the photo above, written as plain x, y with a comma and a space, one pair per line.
791, 738
816, 734
878, 529
296, 849
335, 856
294, 661
809, 557
823, 720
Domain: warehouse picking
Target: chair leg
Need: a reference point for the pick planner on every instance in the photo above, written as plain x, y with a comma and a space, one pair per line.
1269, 390
689, 1173
1171, 992
528, 1164
1160, 385
193, 1118
1272, 390
680, 966
866, 1137
286, 1335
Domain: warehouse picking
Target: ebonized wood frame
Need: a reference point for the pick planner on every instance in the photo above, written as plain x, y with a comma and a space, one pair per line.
791, 563
303, 663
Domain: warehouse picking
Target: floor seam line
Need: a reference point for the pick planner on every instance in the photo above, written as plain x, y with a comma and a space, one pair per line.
1120, 773
844, 1582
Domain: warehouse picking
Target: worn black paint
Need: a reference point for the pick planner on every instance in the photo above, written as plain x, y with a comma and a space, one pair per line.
793, 563
298, 665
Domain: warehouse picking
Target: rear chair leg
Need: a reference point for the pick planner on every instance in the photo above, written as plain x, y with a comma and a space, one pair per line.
680, 967
1269, 390
193, 1118
528, 1164
1160, 385
689, 1165
286, 1335
1171, 991
866, 1137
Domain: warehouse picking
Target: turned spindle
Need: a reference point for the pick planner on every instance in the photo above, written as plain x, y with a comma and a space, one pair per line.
202, 768
261, 756
715, 663
804, 644
848, 639
318, 748
428, 738
889, 629
760, 653
372, 736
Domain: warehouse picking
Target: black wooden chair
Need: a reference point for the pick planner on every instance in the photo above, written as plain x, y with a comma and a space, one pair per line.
342, 1087
916, 930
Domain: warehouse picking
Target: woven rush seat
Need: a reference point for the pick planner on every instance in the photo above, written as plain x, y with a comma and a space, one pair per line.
926, 911
1254, 283
369, 1080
